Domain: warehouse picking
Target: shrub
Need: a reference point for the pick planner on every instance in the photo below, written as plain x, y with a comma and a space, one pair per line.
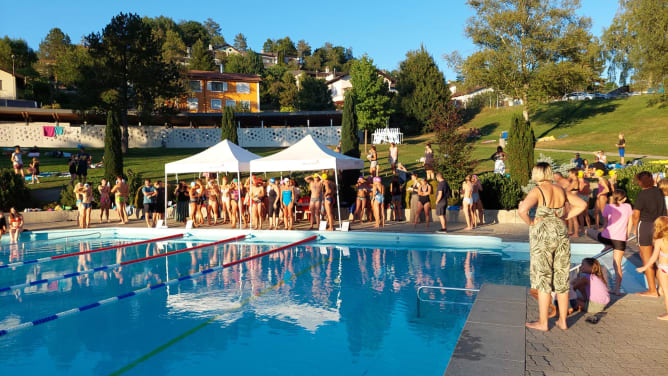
626, 178
500, 192
13, 192
113, 154
520, 149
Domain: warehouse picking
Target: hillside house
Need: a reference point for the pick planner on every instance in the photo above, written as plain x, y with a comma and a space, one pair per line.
213, 91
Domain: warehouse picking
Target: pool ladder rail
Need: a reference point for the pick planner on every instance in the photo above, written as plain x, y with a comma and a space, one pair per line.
420, 299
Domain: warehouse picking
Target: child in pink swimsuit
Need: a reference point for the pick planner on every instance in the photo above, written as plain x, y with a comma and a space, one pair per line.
661, 254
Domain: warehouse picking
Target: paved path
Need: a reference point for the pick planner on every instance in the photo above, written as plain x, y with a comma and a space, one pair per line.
628, 340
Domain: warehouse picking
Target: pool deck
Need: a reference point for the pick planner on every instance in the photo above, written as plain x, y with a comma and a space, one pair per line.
628, 340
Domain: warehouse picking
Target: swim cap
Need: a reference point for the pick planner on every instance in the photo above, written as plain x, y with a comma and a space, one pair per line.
376, 179
192, 184
87, 185
324, 176
272, 180
361, 178
316, 176
581, 174
600, 173
612, 173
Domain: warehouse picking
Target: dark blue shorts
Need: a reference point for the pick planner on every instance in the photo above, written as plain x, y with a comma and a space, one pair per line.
621, 152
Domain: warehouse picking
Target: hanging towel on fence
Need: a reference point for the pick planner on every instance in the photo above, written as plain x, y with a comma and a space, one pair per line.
49, 131
59, 131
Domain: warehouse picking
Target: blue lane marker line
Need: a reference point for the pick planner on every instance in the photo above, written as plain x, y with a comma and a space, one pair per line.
58, 278
140, 291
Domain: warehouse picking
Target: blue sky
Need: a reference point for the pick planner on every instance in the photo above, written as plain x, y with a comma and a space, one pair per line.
385, 30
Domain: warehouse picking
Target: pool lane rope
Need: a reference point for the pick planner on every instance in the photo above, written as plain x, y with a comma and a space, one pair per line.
57, 257
114, 266
146, 289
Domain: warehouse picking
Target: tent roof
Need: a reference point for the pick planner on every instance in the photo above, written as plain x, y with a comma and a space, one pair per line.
306, 155
225, 156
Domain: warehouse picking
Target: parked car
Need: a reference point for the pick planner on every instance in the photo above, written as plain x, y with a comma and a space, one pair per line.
601, 96
578, 96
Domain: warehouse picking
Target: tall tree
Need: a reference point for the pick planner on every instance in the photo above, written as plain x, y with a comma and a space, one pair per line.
520, 149
24, 56
269, 45
130, 70
213, 28
173, 48
192, 31
54, 45
250, 63
113, 153
201, 58
314, 95
350, 146
303, 48
421, 86
455, 154
228, 129
372, 97
519, 38
350, 143
285, 46
287, 96
240, 42
636, 42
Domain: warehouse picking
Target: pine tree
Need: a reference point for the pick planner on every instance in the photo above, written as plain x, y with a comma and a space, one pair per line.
521, 142
228, 129
350, 146
201, 58
350, 143
113, 153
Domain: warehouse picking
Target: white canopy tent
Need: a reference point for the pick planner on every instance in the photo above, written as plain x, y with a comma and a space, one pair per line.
225, 156
308, 155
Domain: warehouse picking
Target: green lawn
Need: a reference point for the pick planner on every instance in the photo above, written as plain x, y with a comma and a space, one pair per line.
590, 125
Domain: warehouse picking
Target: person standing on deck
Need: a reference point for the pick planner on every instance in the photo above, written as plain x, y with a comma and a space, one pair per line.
316, 188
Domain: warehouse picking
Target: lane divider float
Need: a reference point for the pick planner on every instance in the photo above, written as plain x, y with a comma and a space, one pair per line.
146, 289
57, 257
113, 266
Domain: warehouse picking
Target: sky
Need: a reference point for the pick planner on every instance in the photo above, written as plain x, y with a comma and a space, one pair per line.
385, 30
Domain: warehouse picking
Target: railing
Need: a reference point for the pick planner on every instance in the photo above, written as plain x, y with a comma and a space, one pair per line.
601, 254
420, 299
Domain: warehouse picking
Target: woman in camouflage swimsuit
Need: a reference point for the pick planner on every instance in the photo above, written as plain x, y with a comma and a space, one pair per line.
548, 238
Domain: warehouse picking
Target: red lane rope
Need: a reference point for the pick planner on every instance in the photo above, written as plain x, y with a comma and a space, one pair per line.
182, 250
117, 246
314, 237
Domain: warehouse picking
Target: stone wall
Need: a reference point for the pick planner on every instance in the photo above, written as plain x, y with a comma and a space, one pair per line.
92, 136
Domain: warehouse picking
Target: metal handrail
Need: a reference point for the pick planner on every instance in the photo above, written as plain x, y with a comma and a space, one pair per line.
99, 235
419, 299
601, 254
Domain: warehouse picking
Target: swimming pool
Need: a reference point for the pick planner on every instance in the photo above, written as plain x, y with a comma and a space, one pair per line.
340, 304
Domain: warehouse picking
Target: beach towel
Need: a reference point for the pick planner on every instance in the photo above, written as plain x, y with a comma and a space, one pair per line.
59, 131
49, 131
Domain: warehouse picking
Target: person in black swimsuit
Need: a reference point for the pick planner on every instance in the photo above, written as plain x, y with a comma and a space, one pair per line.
424, 191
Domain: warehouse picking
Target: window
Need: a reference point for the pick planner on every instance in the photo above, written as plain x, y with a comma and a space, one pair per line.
243, 87
216, 104
193, 104
245, 104
0, 84
196, 86
216, 86
230, 103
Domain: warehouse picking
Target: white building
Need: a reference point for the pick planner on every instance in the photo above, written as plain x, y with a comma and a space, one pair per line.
8, 84
339, 84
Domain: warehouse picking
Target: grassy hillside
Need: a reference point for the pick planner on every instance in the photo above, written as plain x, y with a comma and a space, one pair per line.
589, 125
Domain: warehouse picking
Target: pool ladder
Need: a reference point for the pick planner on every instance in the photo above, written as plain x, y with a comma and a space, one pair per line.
420, 299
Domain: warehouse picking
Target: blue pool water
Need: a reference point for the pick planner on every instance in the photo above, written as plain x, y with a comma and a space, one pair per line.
317, 308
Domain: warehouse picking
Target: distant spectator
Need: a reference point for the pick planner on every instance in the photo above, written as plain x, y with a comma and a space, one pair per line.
17, 161
373, 161
338, 147
34, 171
598, 165
395, 192
15, 225
72, 164
579, 162
663, 186
394, 156
621, 146
499, 159
442, 195
649, 205
82, 167
159, 208
429, 161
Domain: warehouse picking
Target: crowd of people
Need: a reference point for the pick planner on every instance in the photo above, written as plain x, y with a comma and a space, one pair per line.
558, 203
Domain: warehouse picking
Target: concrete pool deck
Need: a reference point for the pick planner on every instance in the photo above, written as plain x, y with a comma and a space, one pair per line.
628, 340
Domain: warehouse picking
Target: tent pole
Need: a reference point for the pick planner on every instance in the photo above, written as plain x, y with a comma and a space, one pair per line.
165, 198
240, 199
338, 202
